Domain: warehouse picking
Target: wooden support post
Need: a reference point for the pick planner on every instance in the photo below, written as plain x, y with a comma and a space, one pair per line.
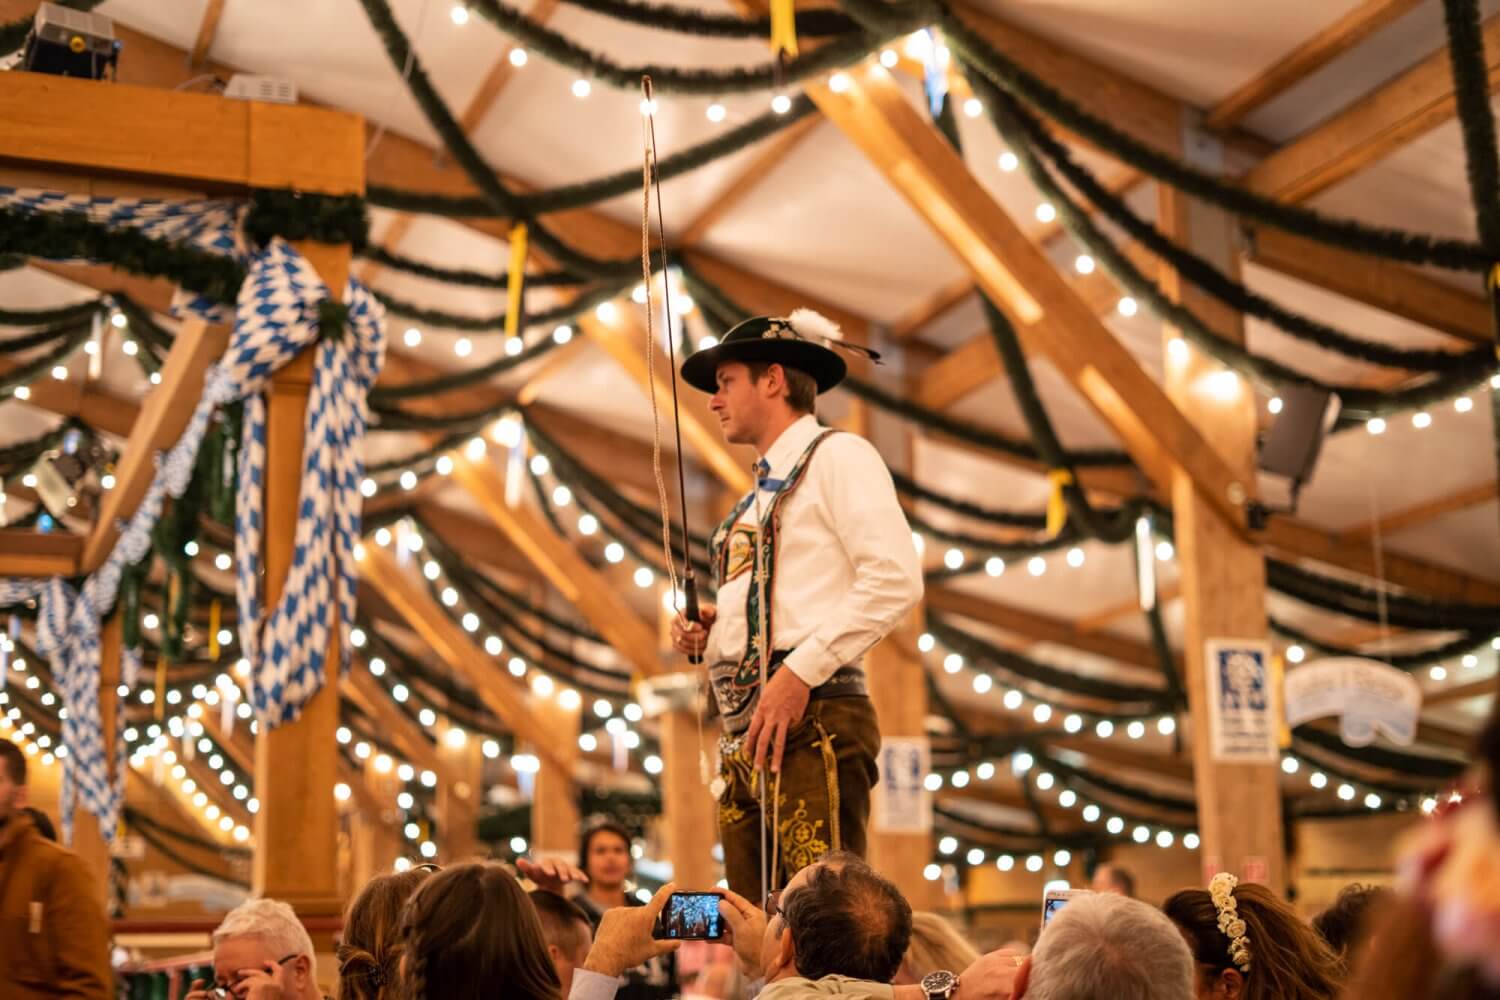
88, 837
554, 798
1222, 573
459, 798
898, 688
690, 817
296, 764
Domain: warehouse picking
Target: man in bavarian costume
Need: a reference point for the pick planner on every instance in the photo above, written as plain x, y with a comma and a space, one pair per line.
838, 571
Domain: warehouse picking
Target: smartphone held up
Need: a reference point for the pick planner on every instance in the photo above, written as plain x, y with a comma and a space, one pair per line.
690, 916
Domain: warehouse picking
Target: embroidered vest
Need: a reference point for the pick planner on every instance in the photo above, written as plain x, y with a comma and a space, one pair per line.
737, 685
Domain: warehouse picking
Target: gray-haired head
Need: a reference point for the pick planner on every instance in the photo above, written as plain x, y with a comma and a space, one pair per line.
271, 921
1106, 947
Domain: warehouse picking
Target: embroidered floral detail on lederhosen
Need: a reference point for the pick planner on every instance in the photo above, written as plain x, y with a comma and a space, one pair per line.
737, 685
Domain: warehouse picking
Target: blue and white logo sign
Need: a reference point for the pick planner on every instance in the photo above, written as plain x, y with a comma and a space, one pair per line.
1370, 698
1241, 701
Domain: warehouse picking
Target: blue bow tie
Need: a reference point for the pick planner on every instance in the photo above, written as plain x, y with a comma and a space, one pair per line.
763, 477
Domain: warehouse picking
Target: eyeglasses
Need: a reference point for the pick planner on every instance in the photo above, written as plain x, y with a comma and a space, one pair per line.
227, 992
772, 904
427, 867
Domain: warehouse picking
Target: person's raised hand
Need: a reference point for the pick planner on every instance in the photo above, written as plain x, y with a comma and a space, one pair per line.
782, 702
199, 991
552, 874
259, 984
747, 929
624, 939
990, 977
691, 638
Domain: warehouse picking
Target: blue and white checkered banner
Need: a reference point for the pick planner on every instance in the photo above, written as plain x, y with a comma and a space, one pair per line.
276, 316
211, 225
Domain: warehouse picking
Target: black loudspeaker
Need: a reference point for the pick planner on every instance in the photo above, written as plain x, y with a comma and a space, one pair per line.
1290, 446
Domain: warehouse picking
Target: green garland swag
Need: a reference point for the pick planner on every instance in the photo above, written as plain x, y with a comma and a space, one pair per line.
907, 486
583, 193
1316, 758
817, 23
843, 50
978, 55
297, 215
1112, 787
69, 235
1469, 642
495, 323
13, 33
1358, 403
42, 317
460, 276
25, 374
1416, 765
23, 454
1211, 280
978, 650
1400, 610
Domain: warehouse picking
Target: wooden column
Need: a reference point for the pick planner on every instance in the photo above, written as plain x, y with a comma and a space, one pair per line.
459, 797
690, 816
296, 765
88, 838
1222, 572
554, 798
899, 691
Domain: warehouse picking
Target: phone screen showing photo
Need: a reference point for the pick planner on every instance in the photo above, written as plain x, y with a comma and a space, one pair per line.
691, 916
1051, 907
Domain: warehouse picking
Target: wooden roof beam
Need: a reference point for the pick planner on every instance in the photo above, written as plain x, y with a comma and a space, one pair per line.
744, 183
1410, 105
208, 27
874, 113
33, 553
500, 691
1306, 59
1422, 513
161, 420
369, 697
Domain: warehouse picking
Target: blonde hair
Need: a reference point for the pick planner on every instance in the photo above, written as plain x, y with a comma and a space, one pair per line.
936, 945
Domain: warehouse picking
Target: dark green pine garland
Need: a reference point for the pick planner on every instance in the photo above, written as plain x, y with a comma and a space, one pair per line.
42, 317
978, 650
39, 338
983, 59
1232, 293
22, 454
817, 23
461, 276
294, 215
1469, 642
843, 50
67, 235
25, 374
1358, 403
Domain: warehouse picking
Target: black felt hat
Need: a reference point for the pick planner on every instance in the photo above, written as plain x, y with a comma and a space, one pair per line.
796, 341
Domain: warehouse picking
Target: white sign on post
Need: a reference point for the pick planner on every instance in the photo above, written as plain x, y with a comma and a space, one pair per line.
902, 803
1242, 708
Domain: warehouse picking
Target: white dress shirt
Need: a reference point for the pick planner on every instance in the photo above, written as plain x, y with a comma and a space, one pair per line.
846, 568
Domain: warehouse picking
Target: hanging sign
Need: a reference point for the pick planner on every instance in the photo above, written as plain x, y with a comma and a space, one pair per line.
1241, 701
1369, 697
902, 802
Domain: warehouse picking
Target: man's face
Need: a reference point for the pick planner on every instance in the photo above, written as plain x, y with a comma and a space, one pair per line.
12, 795
236, 955
771, 949
608, 859
740, 403
1104, 881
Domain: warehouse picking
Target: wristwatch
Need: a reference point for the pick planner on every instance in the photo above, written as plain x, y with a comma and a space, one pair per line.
939, 985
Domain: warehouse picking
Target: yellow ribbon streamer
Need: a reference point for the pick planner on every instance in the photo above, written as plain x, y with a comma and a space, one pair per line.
1057, 506
214, 611
516, 277
784, 26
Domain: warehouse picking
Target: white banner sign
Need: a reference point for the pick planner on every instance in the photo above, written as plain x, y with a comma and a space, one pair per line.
1368, 696
1241, 701
902, 803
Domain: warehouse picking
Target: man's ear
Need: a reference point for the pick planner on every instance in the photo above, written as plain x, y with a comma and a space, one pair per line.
787, 959
1023, 977
1233, 982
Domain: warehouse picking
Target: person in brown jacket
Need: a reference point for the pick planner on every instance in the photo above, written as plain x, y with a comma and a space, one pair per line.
54, 937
